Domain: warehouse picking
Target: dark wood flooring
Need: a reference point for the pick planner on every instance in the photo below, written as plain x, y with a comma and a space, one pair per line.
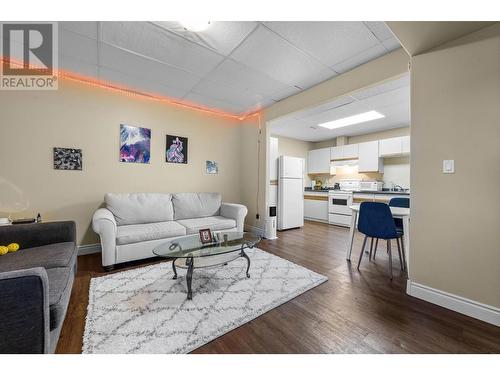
354, 312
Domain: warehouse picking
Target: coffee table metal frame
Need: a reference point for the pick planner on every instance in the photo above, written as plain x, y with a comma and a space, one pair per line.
190, 263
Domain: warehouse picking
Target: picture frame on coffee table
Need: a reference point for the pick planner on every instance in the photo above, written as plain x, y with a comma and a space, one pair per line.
205, 236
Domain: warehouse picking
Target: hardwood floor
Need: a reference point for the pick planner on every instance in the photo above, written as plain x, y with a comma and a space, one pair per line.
354, 312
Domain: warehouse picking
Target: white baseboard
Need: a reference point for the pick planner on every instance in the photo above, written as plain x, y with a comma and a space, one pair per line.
89, 249
481, 311
256, 230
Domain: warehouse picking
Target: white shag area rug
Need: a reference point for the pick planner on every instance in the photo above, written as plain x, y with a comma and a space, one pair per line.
145, 311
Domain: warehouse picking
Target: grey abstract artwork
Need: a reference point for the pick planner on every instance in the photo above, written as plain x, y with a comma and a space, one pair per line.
69, 159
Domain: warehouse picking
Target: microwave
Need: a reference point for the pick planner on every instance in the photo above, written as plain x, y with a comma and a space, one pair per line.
370, 185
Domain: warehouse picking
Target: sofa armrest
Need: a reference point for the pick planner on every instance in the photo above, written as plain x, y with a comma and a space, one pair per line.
38, 234
236, 212
104, 224
24, 311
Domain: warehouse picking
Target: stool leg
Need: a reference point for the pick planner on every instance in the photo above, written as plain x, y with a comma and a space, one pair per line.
399, 253
371, 248
375, 251
390, 257
403, 251
362, 251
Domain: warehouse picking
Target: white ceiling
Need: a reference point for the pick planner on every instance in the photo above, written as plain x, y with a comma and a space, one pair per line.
237, 67
392, 99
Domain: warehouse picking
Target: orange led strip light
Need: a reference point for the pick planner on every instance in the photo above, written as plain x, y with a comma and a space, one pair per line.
70, 76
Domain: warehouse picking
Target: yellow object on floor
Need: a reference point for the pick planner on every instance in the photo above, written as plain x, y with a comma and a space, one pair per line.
3, 250
13, 247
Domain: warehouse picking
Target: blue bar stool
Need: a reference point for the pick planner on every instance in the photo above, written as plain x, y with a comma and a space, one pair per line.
400, 202
376, 221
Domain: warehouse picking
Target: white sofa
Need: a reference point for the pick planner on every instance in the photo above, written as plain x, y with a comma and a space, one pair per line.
132, 225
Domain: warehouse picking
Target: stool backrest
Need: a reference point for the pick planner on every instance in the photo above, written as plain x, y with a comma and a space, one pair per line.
400, 202
375, 220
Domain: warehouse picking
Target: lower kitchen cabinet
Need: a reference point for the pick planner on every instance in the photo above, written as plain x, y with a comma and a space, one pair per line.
316, 207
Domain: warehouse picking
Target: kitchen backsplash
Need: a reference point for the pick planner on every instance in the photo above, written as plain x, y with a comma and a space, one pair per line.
396, 171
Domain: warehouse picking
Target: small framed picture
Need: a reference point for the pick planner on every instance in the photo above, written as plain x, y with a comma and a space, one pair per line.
205, 236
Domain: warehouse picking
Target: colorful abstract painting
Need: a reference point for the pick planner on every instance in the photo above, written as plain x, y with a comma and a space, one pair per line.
177, 149
135, 144
211, 167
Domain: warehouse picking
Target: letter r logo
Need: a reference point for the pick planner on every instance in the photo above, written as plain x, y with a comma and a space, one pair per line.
28, 48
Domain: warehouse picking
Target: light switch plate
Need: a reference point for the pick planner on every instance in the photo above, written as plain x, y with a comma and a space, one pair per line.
448, 166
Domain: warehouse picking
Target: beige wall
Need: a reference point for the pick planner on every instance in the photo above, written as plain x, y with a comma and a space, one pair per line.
89, 118
297, 148
455, 114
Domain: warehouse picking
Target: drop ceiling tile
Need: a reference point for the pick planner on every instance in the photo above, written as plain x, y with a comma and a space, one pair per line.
391, 44
221, 36
226, 93
241, 77
149, 40
85, 28
77, 46
72, 65
140, 84
380, 29
330, 42
213, 103
266, 52
359, 59
140, 67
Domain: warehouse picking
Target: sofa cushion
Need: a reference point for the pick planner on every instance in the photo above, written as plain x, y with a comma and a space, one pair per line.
139, 208
147, 232
212, 223
60, 254
194, 205
60, 284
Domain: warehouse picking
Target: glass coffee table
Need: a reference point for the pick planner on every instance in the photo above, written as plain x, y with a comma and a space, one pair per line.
189, 252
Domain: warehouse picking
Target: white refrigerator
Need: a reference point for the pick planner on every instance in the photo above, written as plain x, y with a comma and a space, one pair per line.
290, 192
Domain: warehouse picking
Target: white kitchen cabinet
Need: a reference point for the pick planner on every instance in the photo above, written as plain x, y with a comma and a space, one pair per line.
316, 207
390, 147
336, 153
350, 151
344, 152
318, 161
369, 159
405, 145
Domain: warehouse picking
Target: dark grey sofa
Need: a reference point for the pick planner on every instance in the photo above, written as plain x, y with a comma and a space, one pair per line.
35, 285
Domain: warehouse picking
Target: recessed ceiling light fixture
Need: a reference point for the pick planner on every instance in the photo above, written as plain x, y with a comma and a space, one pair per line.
195, 26
351, 120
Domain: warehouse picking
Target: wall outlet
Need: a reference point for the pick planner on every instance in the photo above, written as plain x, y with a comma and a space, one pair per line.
257, 216
448, 166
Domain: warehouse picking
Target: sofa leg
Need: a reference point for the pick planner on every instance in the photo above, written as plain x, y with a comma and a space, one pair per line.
109, 268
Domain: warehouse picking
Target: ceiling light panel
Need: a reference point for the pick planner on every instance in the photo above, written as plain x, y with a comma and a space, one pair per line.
351, 120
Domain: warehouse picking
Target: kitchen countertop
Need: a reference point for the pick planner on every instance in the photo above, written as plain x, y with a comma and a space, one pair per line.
309, 190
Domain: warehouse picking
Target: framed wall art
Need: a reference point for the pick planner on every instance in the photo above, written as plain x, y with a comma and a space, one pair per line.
68, 159
135, 144
176, 149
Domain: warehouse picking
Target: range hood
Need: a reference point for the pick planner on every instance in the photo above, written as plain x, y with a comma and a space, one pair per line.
344, 163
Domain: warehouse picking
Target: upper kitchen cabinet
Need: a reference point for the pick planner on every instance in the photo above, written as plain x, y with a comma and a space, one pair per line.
369, 160
318, 161
397, 146
344, 152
